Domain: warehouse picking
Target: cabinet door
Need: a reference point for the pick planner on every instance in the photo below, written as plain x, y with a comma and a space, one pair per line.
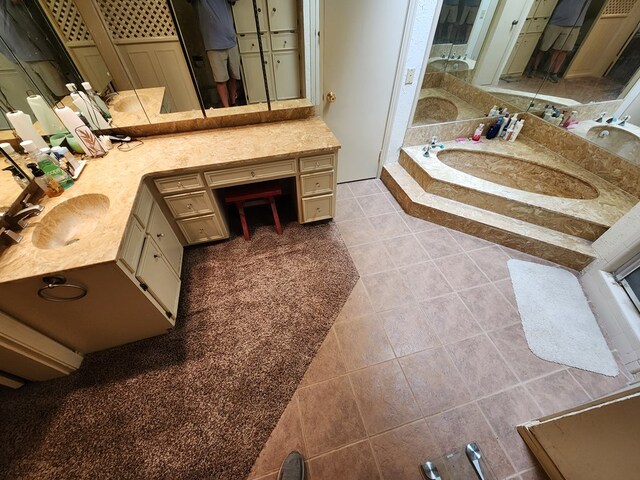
286, 69
545, 8
525, 50
161, 281
252, 77
282, 15
245, 19
202, 229
161, 232
132, 245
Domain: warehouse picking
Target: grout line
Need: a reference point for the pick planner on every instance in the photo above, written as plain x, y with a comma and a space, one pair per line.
589, 396
497, 438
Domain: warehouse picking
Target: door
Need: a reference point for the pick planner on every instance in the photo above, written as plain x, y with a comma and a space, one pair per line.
361, 45
285, 73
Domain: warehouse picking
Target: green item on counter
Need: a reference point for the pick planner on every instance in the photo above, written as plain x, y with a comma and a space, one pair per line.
59, 138
50, 169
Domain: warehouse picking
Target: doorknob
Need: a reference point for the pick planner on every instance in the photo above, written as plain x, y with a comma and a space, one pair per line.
331, 97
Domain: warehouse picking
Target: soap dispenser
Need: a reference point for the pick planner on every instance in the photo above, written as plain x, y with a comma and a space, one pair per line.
48, 185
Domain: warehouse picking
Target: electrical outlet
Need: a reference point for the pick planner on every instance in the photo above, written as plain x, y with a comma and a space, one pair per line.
410, 73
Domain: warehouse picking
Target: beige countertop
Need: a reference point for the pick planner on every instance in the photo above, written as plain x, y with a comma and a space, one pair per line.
119, 174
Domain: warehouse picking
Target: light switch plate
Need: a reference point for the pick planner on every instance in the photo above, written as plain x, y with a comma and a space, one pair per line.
410, 74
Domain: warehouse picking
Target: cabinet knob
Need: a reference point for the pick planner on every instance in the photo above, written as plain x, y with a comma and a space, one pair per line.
160, 235
274, 9
317, 184
259, 10
317, 164
253, 44
318, 209
278, 61
190, 206
253, 174
201, 231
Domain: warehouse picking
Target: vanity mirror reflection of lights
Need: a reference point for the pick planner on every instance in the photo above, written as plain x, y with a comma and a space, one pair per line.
536, 54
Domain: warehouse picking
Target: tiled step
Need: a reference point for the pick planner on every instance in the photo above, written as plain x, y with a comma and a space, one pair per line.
411, 160
558, 247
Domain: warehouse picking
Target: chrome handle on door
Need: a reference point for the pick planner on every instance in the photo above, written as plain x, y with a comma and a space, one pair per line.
331, 97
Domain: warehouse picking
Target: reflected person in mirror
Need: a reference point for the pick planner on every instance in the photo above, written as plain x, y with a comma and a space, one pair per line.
468, 16
219, 37
447, 20
560, 36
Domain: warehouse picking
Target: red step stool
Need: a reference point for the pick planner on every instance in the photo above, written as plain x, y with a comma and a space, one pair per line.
254, 194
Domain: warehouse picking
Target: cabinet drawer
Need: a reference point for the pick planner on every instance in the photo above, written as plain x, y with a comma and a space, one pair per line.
317, 183
537, 25
132, 245
142, 207
317, 162
284, 41
248, 43
189, 204
202, 229
254, 173
161, 232
317, 208
161, 281
179, 184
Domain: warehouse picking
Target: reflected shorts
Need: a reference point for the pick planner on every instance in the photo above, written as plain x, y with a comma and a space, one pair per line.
559, 38
225, 63
468, 15
449, 13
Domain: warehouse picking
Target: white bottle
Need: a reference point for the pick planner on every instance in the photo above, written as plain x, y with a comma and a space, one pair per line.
516, 130
493, 112
23, 125
88, 109
97, 100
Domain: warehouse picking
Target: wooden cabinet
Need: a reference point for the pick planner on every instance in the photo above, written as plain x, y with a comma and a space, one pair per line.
202, 229
158, 277
280, 47
316, 187
162, 234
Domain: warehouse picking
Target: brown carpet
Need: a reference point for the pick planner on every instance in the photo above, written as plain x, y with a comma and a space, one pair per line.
201, 401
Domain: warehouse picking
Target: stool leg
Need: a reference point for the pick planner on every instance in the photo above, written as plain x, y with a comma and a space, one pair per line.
276, 218
243, 221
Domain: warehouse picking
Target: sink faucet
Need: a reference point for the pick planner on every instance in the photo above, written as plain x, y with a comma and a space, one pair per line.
19, 219
427, 148
9, 235
15, 218
601, 117
624, 120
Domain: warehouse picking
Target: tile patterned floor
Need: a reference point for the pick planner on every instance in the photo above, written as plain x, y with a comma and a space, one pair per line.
427, 354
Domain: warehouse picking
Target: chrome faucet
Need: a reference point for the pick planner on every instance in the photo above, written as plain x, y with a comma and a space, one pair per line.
10, 235
624, 120
601, 117
427, 148
19, 219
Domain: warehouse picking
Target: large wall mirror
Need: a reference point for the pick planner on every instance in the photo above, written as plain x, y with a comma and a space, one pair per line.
574, 55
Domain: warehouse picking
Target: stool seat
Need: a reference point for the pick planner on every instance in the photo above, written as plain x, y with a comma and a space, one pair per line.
254, 194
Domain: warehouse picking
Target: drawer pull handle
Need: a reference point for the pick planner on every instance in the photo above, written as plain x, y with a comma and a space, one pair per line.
253, 45
318, 210
253, 174
160, 235
201, 231
180, 184
190, 206
317, 164
317, 184
156, 255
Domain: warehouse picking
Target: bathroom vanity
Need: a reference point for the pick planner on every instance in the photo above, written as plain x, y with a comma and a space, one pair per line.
111, 246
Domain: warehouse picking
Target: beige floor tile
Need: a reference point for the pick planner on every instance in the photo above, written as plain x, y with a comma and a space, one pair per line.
393, 201
434, 380
461, 272
514, 348
489, 307
506, 288
286, 437
363, 342
598, 385
416, 224
343, 191
400, 451
356, 231
455, 428
371, 258
347, 209
384, 397
387, 290
330, 416
354, 462
387, 226
469, 242
327, 363
364, 187
408, 330
556, 392
377, 204
357, 305
481, 366
492, 261
425, 280
438, 243
504, 411
534, 474
406, 250
450, 318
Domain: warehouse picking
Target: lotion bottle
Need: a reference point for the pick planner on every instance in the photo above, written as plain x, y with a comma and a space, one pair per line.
478, 133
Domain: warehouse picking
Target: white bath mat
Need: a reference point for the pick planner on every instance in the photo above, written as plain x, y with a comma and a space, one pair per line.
557, 321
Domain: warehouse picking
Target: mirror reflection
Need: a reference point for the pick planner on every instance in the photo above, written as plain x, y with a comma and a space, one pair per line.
570, 61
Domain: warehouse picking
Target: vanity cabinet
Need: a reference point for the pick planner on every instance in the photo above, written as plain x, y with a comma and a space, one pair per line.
279, 35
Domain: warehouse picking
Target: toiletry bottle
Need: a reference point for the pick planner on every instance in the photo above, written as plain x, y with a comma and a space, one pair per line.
478, 133
493, 129
509, 126
90, 111
62, 161
573, 118
8, 149
17, 176
502, 128
48, 165
91, 93
516, 130
493, 112
47, 184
